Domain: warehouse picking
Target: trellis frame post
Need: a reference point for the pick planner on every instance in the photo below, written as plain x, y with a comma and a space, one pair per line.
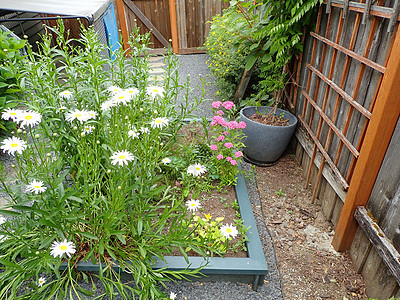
380, 129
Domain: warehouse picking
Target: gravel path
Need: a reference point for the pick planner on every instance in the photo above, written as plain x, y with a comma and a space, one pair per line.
194, 65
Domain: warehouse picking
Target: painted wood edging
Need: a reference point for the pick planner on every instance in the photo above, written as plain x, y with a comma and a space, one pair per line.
254, 265
251, 269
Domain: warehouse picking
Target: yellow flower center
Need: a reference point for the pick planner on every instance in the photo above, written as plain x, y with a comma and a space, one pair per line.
193, 204
37, 187
13, 114
228, 230
14, 145
155, 90
158, 121
121, 97
197, 169
121, 156
63, 248
28, 117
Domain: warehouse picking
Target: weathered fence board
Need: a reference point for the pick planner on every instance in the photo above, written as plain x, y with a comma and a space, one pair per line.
347, 53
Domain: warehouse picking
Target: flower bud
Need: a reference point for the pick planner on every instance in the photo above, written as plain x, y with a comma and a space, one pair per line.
19, 130
75, 128
12, 166
24, 132
37, 136
98, 142
108, 171
48, 154
82, 134
119, 187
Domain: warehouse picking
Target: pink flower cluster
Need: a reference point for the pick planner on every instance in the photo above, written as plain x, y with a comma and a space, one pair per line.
229, 125
226, 104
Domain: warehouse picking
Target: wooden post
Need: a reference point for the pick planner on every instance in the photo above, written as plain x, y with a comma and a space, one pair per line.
122, 22
380, 129
174, 26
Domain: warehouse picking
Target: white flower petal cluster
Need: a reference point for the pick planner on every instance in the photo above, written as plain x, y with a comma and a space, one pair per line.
13, 144
29, 118
11, 114
196, 170
41, 281
36, 187
67, 95
119, 96
59, 248
107, 105
80, 115
229, 231
114, 89
172, 296
159, 122
166, 160
133, 133
155, 91
144, 130
193, 205
2, 220
121, 157
88, 129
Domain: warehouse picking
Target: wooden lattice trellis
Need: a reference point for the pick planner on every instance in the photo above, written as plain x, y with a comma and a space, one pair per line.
337, 92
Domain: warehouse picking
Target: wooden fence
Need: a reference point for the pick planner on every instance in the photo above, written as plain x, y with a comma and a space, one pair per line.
183, 21
347, 97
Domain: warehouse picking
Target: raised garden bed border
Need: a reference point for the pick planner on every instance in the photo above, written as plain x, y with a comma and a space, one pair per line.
251, 269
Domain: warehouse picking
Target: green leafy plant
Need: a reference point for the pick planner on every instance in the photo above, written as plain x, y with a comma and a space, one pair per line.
270, 31
10, 57
92, 147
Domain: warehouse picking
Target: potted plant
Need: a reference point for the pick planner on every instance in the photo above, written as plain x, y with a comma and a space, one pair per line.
268, 33
267, 134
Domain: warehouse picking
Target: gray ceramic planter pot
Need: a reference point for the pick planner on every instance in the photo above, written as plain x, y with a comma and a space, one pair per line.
266, 143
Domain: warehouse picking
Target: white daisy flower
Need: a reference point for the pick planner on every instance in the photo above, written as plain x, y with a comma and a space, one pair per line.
80, 115
196, 170
13, 144
65, 94
166, 161
114, 89
229, 231
11, 114
88, 129
159, 123
154, 91
107, 105
172, 296
121, 157
122, 98
144, 130
193, 205
133, 133
36, 187
132, 92
30, 117
59, 248
41, 281
92, 114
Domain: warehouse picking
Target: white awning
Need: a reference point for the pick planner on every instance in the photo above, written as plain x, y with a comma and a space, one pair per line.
91, 9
